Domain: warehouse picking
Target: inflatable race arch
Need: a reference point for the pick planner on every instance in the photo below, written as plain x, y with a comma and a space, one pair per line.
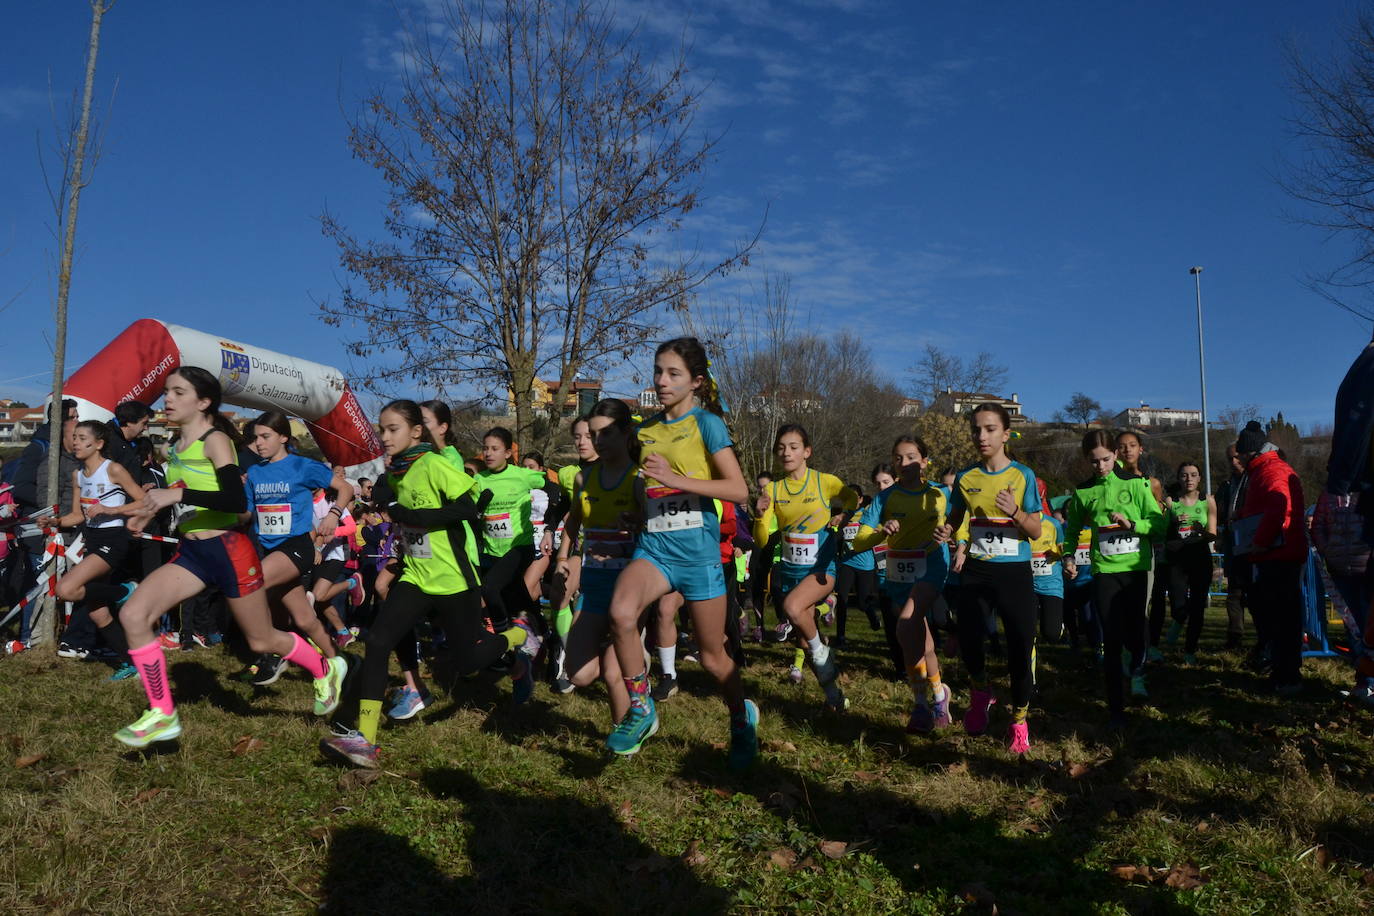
134, 367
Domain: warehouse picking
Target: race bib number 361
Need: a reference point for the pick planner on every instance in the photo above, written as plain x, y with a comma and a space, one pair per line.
672, 510
274, 521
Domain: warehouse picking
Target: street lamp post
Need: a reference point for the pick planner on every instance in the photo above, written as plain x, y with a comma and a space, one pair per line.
1202, 379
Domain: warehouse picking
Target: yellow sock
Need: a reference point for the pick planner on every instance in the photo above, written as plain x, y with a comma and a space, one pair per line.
515, 637
369, 716
799, 658
1019, 713
933, 685
916, 677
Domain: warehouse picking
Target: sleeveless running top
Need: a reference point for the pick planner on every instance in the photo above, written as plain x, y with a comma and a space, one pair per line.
1191, 521
98, 490
602, 508
197, 472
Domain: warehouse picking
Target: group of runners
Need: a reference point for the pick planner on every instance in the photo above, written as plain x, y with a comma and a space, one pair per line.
504, 563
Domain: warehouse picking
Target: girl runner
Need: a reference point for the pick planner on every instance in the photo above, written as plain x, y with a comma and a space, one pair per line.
882, 478
905, 517
604, 515
1130, 452
994, 515
688, 461
281, 494
103, 491
806, 504
433, 503
563, 588
1048, 578
1122, 513
508, 546
204, 476
1192, 528
854, 574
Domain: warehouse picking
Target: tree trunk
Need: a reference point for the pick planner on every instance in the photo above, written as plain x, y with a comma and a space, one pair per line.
64, 285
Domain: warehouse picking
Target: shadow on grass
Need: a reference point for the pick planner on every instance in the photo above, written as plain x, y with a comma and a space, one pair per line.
192, 682
982, 857
525, 854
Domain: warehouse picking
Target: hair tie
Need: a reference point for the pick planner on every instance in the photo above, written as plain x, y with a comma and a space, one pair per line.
1015, 434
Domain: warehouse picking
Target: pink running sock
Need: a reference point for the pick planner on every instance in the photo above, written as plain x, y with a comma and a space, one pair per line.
302, 654
152, 670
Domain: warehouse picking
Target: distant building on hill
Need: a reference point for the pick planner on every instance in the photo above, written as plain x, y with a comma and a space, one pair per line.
1147, 417
953, 403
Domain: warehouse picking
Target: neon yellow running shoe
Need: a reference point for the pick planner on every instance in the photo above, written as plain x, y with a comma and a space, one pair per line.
151, 727
329, 689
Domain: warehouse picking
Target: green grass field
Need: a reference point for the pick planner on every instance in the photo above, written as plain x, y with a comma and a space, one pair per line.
1219, 799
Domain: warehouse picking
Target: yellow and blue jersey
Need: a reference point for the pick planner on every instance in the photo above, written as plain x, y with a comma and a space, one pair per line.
1047, 574
802, 513
682, 529
990, 535
606, 544
919, 511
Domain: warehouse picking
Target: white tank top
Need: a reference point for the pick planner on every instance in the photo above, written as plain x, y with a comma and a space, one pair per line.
98, 490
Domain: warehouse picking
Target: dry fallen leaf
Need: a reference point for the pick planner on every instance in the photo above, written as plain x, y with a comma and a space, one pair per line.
1035, 803
1184, 877
717, 745
246, 744
321, 833
626, 811
357, 779
782, 857
29, 760
833, 849
1139, 873
694, 855
1078, 770
957, 768
865, 776
723, 793
1202, 827
147, 794
1322, 857
780, 747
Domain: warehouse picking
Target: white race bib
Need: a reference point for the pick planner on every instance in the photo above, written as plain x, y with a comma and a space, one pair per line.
1041, 565
880, 557
993, 537
417, 544
801, 549
498, 526
1185, 531
606, 549
558, 536
1083, 556
274, 521
672, 510
1117, 542
906, 565
851, 531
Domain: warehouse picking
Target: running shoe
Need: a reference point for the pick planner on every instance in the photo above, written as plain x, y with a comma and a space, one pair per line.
343, 639
976, 718
522, 679
123, 672
940, 708
561, 684
350, 747
794, 674
406, 703
637, 727
355, 590
665, 689
128, 593
329, 689
835, 700
269, 668
921, 721
744, 738
15, 646
151, 727
1138, 687
200, 640
828, 618
169, 640
1018, 738
1190, 659
781, 632
1175, 631
1153, 655
532, 642
67, 651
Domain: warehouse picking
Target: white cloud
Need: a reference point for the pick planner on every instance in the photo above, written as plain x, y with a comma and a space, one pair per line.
16, 100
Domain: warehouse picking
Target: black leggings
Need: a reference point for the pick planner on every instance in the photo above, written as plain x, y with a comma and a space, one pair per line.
503, 584
1120, 599
1159, 600
468, 648
864, 582
1051, 614
1190, 578
1007, 589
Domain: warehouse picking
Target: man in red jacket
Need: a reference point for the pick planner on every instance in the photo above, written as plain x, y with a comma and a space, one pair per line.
1271, 531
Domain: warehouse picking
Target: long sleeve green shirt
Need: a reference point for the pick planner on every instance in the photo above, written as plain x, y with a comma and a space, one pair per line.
1115, 548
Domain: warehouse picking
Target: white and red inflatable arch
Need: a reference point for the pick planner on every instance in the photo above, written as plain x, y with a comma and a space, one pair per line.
134, 367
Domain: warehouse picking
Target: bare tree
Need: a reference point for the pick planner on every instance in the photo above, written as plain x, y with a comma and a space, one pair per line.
1235, 418
537, 162
1080, 409
66, 201
938, 370
1335, 174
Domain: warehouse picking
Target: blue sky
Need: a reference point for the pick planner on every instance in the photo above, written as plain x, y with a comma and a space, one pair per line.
1031, 179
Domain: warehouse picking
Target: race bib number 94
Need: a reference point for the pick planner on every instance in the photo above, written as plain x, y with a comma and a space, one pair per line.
672, 510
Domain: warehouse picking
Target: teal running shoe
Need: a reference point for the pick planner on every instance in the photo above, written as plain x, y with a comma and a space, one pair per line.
637, 726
